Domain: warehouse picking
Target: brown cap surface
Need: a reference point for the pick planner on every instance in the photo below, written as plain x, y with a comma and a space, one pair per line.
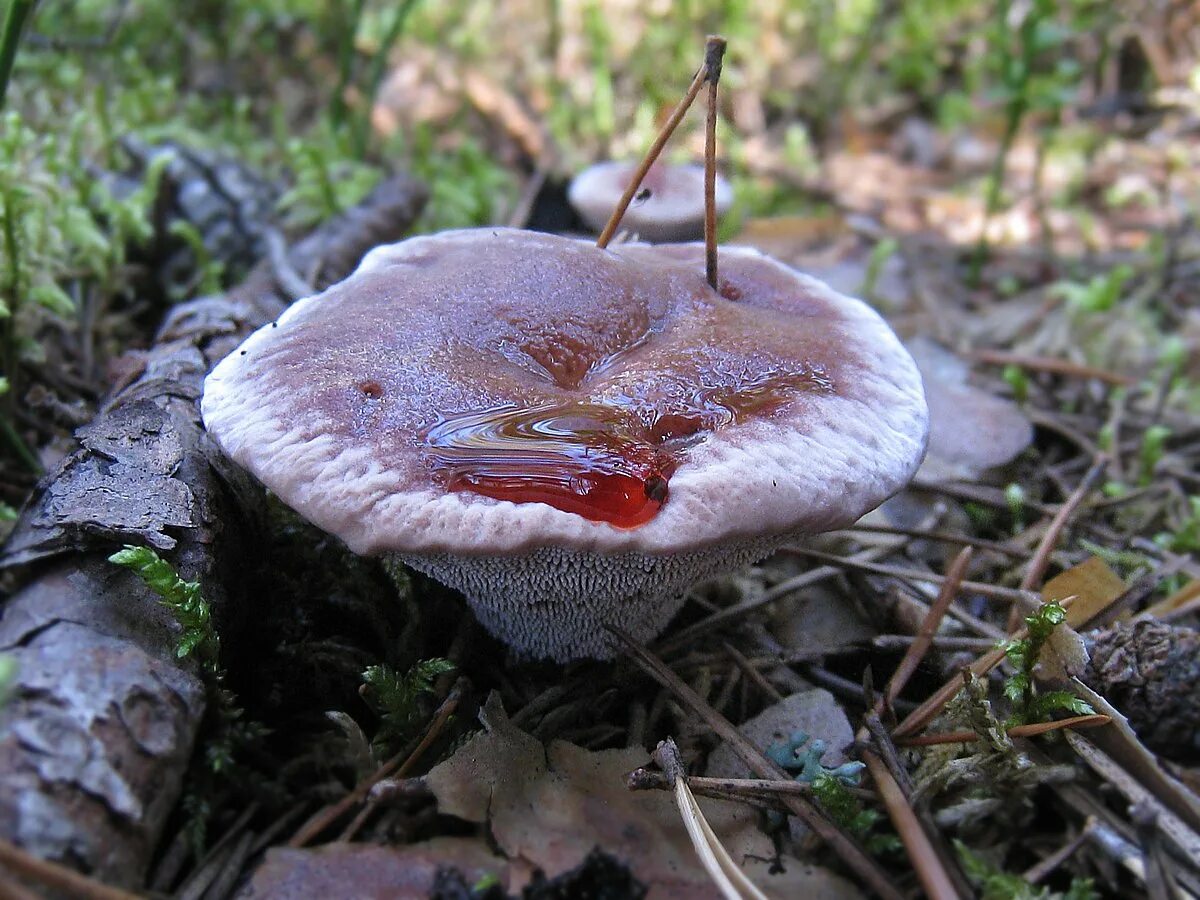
812, 411
669, 206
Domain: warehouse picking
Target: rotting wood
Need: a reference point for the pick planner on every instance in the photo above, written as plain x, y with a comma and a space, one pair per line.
100, 728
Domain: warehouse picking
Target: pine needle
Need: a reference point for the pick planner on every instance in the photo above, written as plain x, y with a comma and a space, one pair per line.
730, 880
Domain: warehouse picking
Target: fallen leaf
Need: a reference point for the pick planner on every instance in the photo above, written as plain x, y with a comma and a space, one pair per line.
1093, 584
548, 807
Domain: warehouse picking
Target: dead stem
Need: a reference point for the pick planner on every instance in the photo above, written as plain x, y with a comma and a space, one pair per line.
724, 872
1054, 366
664, 135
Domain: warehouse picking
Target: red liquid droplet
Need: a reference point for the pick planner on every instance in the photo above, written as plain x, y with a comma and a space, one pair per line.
581, 458
608, 462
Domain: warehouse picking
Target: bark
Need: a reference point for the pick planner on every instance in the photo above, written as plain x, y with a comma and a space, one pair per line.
99, 729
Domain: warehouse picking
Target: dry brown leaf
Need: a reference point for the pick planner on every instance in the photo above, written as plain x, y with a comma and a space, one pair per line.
1092, 587
547, 807
1093, 584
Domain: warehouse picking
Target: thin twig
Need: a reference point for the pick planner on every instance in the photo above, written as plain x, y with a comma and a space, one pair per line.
431, 734
677, 114
937, 611
850, 852
56, 876
925, 713
714, 51
519, 217
1017, 731
739, 789
751, 671
925, 860
739, 611
932, 858
945, 537
886, 750
1048, 364
941, 642
209, 868
1041, 870
1019, 598
1159, 884
1041, 557
229, 873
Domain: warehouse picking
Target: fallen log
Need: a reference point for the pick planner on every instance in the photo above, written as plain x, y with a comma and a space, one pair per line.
101, 722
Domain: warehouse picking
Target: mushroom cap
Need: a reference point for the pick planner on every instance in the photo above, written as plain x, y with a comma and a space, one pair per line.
332, 405
672, 211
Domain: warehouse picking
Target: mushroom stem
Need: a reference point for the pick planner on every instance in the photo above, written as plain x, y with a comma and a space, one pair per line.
714, 51
664, 135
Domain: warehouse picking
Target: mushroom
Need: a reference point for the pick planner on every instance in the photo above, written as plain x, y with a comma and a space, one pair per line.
669, 205
568, 435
